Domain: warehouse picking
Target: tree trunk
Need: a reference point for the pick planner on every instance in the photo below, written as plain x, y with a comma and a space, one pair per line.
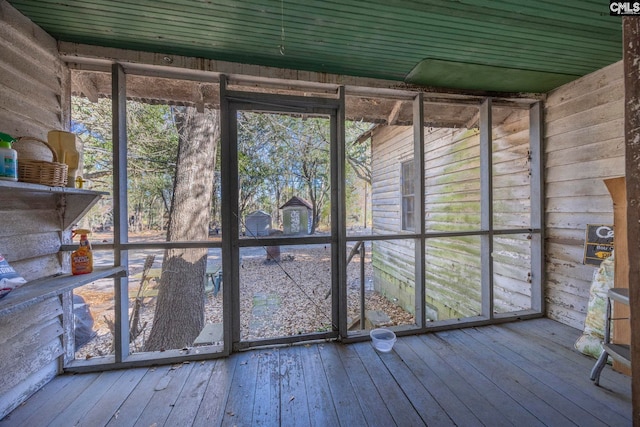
179, 315
314, 206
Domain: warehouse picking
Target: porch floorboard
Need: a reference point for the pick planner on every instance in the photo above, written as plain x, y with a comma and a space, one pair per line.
515, 374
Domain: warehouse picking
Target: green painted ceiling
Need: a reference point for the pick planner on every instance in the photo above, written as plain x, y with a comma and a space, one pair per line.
509, 45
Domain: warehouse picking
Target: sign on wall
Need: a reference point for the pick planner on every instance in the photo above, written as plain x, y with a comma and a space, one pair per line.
598, 244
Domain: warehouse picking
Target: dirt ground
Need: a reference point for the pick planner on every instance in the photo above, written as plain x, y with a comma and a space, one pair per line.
284, 298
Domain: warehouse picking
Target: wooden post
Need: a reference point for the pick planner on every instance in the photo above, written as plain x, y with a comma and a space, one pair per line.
419, 209
120, 216
631, 59
339, 217
536, 149
486, 208
229, 216
621, 328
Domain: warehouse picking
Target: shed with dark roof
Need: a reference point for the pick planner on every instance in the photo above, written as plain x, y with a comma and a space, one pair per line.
297, 213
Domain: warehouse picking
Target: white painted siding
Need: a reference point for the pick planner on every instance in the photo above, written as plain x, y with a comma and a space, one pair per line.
452, 203
511, 210
584, 144
393, 261
34, 87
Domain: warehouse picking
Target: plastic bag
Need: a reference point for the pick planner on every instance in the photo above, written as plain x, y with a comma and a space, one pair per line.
83, 322
590, 342
9, 279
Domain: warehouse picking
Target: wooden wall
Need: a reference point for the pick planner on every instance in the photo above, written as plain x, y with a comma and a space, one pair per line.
584, 144
393, 261
33, 89
452, 202
511, 210
34, 82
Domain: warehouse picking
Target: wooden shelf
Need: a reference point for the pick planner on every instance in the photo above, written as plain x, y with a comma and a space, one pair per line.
39, 290
73, 203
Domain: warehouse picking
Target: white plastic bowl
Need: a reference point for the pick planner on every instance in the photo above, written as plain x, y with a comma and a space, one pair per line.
383, 339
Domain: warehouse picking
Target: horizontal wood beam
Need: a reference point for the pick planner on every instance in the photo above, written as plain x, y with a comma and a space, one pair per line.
393, 115
96, 58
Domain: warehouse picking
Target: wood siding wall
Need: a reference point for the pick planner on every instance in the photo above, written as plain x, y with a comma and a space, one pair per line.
452, 185
584, 144
33, 88
511, 210
393, 261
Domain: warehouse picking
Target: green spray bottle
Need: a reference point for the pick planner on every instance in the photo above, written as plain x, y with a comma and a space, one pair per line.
8, 158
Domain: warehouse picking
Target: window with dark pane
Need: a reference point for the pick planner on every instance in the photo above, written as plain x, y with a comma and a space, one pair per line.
407, 185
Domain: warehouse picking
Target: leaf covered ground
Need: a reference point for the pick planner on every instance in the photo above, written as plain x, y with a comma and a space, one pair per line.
277, 298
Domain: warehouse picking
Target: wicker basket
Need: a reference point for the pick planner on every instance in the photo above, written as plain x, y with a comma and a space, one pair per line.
43, 172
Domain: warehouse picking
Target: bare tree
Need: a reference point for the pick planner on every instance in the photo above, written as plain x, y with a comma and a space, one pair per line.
179, 315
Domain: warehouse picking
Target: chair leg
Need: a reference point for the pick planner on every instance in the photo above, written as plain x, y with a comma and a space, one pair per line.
598, 367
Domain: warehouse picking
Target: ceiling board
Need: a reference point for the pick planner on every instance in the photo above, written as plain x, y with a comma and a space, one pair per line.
382, 39
433, 72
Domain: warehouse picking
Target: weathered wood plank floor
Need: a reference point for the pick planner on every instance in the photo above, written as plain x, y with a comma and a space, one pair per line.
519, 374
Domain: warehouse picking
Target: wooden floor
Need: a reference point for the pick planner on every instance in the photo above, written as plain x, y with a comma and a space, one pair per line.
519, 374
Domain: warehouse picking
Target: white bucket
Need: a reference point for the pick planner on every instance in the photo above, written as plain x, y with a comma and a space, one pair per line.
383, 339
